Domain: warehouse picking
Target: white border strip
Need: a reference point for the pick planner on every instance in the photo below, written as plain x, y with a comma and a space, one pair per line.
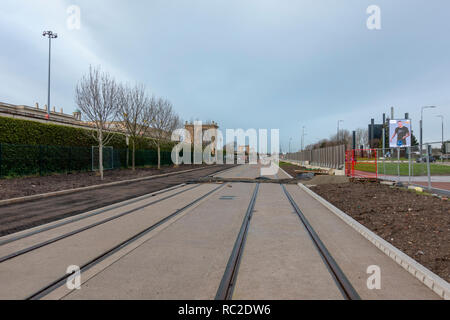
58, 223
426, 276
289, 176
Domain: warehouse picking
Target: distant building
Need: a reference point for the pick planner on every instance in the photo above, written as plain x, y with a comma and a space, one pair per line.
244, 149
40, 115
189, 126
375, 133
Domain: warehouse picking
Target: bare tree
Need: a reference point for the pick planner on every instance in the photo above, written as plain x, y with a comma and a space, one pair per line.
362, 136
136, 114
96, 95
164, 122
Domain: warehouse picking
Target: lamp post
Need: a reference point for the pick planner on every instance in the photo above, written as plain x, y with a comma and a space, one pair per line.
50, 36
442, 132
338, 130
303, 138
421, 126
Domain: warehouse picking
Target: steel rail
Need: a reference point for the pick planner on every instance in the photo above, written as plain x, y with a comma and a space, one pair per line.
95, 212
62, 280
98, 211
90, 226
226, 287
344, 285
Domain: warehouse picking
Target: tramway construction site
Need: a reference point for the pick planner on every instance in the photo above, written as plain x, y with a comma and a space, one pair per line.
218, 232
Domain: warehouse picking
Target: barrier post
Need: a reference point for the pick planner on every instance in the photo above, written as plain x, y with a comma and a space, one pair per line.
409, 165
376, 163
428, 166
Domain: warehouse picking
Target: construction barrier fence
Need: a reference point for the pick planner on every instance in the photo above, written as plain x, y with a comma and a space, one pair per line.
329, 157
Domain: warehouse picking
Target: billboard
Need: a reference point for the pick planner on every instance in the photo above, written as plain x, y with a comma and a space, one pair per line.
399, 133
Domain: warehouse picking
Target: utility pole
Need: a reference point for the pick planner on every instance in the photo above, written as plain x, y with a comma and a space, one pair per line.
421, 126
372, 133
442, 132
303, 138
384, 133
50, 36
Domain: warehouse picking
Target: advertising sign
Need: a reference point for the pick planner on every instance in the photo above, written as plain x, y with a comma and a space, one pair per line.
399, 133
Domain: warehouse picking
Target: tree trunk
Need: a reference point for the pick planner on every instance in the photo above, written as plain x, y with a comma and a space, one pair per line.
133, 161
128, 156
100, 157
176, 159
159, 157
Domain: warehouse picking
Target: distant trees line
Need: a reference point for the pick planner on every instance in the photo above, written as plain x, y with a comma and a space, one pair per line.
345, 137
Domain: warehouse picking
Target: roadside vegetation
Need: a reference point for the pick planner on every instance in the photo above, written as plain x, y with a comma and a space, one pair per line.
418, 169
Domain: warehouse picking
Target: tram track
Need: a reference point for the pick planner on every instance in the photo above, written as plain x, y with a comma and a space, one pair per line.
89, 226
17, 218
226, 287
62, 280
342, 282
100, 211
229, 278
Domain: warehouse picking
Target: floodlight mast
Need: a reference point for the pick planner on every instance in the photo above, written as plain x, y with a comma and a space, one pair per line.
50, 36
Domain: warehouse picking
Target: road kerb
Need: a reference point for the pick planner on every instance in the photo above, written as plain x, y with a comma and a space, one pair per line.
289, 176
426, 276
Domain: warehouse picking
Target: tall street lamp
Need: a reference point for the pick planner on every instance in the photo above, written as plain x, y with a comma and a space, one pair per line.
50, 36
421, 125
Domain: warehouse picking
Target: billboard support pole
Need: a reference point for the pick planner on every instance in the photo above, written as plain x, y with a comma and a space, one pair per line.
428, 166
383, 132
409, 151
398, 164
384, 141
409, 165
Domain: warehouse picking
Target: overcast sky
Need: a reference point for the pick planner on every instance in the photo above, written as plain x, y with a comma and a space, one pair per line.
245, 63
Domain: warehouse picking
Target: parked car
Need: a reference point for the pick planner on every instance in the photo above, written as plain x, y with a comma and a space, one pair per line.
424, 159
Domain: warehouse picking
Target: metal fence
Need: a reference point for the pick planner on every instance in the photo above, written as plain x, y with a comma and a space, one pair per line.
25, 160
429, 168
329, 157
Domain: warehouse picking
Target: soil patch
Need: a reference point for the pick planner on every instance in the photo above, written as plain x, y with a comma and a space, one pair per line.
417, 224
316, 180
27, 186
20, 216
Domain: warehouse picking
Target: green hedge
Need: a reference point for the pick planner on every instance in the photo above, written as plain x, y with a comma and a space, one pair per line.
27, 160
26, 132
